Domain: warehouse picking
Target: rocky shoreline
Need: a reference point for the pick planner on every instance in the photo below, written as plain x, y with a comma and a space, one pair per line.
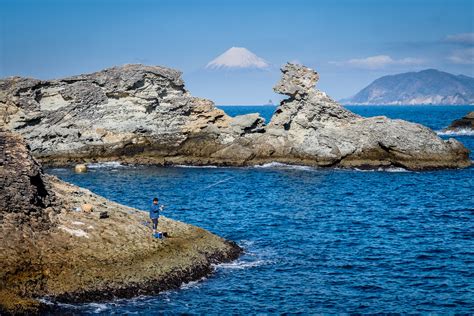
143, 114
49, 248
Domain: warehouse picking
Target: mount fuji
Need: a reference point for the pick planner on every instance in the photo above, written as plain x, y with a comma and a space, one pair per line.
237, 58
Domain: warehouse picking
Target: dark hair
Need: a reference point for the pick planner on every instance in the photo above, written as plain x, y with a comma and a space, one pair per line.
155, 199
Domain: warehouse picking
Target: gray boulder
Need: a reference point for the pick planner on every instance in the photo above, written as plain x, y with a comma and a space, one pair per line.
249, 123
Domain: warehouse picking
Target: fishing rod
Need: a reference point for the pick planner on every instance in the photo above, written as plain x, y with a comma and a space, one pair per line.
162, 207
218, 182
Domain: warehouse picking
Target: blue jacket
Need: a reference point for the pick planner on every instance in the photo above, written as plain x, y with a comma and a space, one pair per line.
155, 211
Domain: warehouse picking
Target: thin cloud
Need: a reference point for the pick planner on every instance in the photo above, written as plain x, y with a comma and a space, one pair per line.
462, 56
462, 38
378, 62
238, 57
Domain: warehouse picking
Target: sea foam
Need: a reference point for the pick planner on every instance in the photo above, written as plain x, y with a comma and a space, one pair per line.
279, 165
107, 164
458, 132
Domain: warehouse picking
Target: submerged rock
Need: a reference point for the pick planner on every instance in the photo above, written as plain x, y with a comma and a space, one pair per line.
80, 168
49, 250
466, 122
143, 114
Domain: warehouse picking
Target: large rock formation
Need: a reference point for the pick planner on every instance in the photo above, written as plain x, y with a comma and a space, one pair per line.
121, 110
464, 123
318, 128
143, 114
49, 247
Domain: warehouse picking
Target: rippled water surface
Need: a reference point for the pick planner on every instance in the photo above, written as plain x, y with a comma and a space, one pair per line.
316, 240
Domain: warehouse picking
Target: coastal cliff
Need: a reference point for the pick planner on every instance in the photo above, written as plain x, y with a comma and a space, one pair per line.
49, 248
143, 114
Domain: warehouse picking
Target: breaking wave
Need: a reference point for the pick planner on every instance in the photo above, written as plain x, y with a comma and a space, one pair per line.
94, 308
198, 167
241, 264
192, 284
108, 164
458, 132
279, 165
379, 169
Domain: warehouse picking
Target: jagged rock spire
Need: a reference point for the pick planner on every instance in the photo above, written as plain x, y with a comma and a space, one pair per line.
296, 80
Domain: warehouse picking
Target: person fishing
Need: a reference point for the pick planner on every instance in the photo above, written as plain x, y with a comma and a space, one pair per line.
155, 215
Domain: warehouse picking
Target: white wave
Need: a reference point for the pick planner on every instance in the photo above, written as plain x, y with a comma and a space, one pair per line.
191, 166
47, 301
279, 165
357, 169
379, 169
246, 243
107, 164
98, 307
393, 169
239, 265
192, 284
458, 132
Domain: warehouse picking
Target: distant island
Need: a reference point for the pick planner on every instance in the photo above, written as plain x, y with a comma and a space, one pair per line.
428, 86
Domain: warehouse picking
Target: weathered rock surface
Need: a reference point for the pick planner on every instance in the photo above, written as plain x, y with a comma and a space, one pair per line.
48, 247
316, 127
466, 122
119, 110
143, 114
25, 197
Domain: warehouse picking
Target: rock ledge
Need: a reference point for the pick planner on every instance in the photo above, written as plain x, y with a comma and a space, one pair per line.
49, 248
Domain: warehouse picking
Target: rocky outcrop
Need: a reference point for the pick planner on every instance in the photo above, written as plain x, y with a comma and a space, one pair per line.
317, 127
121, 110
143, 114
50, 248
464, 123
25, 198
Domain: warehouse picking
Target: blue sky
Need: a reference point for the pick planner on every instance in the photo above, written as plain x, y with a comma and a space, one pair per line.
350, 43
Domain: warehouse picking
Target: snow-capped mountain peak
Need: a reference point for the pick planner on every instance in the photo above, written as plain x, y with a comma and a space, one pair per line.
237, 57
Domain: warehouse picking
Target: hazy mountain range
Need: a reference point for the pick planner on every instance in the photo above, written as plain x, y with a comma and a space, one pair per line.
428, 86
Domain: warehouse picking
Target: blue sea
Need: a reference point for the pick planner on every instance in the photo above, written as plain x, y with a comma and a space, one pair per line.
316, 240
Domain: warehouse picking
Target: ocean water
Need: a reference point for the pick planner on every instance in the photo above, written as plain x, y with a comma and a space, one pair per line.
316, 240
